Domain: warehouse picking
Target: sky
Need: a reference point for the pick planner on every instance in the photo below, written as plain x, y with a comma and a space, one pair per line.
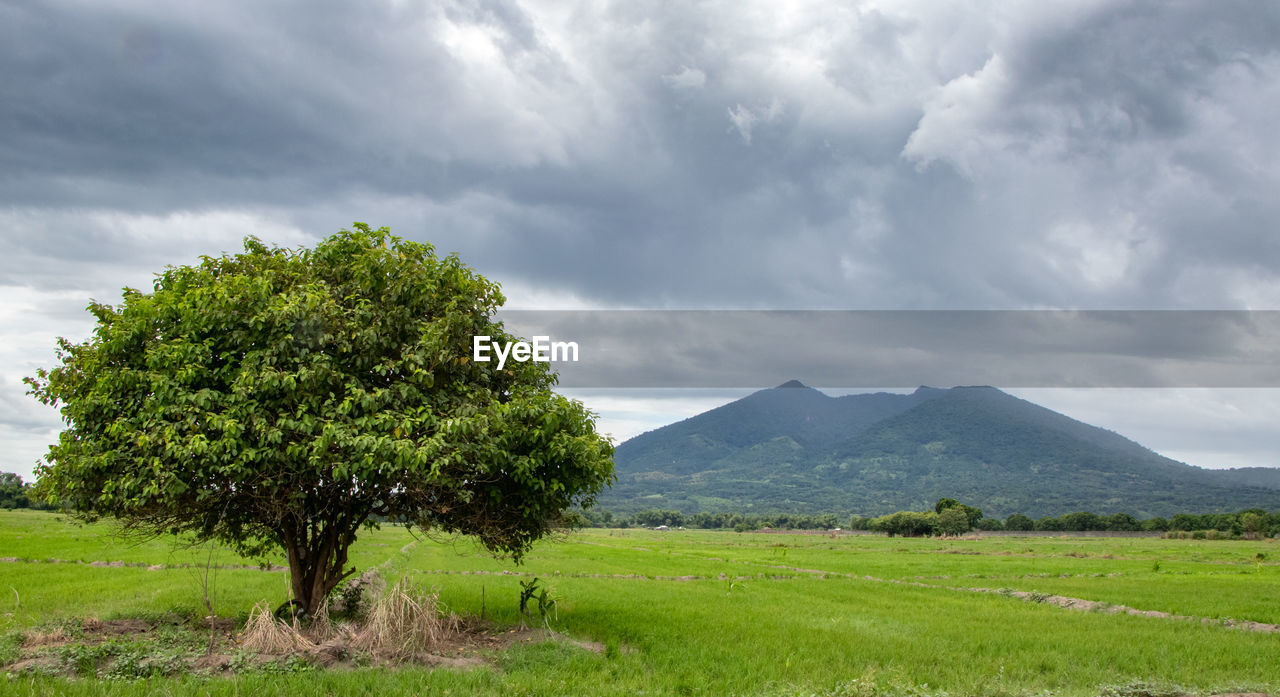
709, 155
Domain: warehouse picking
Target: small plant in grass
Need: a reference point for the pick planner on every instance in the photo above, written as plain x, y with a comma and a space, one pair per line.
242, 661
864, 686
137, 662
83, 659
529, 590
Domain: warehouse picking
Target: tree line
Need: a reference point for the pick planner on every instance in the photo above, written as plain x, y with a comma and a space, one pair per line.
949, 517
14, 493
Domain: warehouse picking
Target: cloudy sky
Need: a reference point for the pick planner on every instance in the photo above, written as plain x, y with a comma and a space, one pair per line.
766, 155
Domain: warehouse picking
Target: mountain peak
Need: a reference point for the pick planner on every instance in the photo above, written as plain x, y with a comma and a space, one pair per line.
792, 383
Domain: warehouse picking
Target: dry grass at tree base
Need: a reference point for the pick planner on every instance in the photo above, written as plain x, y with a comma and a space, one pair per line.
265, 633
404, 625
404, 622
401, 624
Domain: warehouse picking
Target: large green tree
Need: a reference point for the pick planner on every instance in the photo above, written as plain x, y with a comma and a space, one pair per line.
287, 398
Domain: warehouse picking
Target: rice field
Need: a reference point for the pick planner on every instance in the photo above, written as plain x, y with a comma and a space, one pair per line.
687, 612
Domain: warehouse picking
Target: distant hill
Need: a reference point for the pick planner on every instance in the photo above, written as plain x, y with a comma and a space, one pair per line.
795, 449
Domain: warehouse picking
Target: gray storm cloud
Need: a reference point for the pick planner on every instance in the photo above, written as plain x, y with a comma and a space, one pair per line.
798, 154
1097, 155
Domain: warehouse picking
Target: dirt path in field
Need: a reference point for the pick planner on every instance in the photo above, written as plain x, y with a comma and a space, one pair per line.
638, 577
141, 564
1097, 606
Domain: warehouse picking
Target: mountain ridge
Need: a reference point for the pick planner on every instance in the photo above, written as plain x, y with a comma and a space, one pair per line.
796, 449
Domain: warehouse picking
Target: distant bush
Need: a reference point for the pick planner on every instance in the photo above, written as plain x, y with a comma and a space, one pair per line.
1155, 525
1049, 523
1122, 522
907, 524
1017, 521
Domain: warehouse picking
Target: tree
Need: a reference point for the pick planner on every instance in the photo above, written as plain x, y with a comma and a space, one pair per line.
953, 521
1253, 522
1020, 522
290, 398
13, 493
906, 523
972, 514
1122, 522
1049, 523
653, 517
1155, 525
1083, 520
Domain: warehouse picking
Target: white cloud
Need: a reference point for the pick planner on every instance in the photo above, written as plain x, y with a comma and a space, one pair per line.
624, 414
956, 126
686, 78
744, 119
1103, 256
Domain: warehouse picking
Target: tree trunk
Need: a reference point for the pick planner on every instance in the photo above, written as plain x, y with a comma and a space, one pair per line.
316, 561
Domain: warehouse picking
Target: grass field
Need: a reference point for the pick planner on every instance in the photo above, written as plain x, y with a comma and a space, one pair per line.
696, 612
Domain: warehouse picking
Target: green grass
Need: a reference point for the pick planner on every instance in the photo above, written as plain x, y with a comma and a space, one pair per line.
696, 612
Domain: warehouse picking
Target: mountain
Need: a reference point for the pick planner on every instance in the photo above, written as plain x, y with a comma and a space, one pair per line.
794, 449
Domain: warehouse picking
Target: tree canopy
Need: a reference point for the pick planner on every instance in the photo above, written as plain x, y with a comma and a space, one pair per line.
286, 398
13, 493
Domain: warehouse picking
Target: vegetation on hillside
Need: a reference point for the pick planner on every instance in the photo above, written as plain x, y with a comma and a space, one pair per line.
796, 450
